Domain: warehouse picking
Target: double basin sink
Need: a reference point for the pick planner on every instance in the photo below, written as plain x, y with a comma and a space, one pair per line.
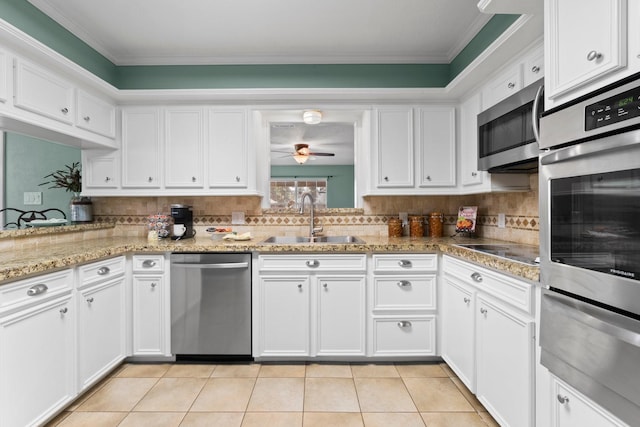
292, 240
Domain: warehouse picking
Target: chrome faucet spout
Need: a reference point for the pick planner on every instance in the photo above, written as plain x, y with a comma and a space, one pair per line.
312, 230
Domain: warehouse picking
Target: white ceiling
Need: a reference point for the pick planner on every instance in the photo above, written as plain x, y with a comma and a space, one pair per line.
157, 32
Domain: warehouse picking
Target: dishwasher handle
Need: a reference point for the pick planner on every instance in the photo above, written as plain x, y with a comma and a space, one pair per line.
222, 265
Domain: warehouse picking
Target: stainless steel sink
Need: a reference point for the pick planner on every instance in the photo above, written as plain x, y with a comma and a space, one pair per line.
292, 240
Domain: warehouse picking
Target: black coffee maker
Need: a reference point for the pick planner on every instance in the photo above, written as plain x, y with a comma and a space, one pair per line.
183, 214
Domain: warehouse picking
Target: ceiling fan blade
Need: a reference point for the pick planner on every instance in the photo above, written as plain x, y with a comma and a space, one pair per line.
322, 154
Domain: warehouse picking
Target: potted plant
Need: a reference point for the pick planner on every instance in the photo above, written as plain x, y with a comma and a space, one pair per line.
71, 180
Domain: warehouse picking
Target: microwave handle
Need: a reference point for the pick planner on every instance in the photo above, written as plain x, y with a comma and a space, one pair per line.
535, 116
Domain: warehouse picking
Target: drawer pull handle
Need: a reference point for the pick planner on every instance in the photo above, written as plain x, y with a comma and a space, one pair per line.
404, 324
64, 310
37, 290
404, 283
404, 263
477, 277
483, 310
103, 271
314, 263
90, 300
563, 399
467, 300
148, 263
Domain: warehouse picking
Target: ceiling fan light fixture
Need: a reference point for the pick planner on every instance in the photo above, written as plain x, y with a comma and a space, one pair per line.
312, 117
301, 159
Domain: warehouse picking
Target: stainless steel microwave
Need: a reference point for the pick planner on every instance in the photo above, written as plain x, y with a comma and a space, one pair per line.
508, 132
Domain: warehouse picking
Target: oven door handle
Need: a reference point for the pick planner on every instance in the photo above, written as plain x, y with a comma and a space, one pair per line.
229, 265
593, 148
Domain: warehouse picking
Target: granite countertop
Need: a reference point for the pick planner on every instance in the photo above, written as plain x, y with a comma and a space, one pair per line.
23, 263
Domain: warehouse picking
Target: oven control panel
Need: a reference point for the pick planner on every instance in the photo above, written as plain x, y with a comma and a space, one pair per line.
615, 109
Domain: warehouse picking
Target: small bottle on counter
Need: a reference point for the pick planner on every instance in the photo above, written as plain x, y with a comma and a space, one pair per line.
395, 227
436, 219
416, 226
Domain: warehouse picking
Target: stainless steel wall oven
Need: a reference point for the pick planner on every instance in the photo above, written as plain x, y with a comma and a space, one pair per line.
590, 246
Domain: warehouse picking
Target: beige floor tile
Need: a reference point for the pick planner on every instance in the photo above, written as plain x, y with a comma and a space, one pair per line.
437, 395
421, 370
171, 395
212, 419
283, 371
329, 371
277, 395
272, 419
224, 395
448, 370
330, 395
325, 419
118, 394
412, 419
452, 419
93, 419
383, 395
59, 418
468, 395
155, 419
190, 371
240, 370
374, 371
87, 394
488, 419
134, 370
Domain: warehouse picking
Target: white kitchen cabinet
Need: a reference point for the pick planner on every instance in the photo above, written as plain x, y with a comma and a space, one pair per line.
436, 143
184, 147
508, 82
228, 145
37, 348
100, 169
394, 147
141, 147
588, 44
502, 330
533, 66
570, 408
151, 321
4, 76
101, 303
95, 114
39, 91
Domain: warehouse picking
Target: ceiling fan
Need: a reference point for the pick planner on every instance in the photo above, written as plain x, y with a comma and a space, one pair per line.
302, 153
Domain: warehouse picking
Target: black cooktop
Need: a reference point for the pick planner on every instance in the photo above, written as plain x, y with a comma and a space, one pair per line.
526, 254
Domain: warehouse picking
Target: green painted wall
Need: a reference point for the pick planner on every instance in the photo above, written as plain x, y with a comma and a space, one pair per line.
29, 19
27, 161
340, 191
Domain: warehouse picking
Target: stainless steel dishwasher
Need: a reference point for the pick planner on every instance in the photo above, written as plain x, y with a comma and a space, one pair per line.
211, 306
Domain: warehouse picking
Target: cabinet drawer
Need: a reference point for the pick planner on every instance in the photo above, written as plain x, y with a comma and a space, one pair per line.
405, 262
35, 289
148, 263
404, 336
313, 262
515, 292
99, 271
405, 292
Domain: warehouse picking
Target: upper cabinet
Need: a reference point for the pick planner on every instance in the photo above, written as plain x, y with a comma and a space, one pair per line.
141, 147
436, 143
228, 148
588, 44
95, 114
4, 77
184, 147
393, 133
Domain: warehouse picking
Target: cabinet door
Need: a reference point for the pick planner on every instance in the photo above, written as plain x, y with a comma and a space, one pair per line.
341, 316
504, 351
101, 169
101, 330
149, 316
585, 40
394, 139
184, 147
469, 110
503, 86
458, 330
96, 115
39, 91
4, 76
141, 147
533, 66
228, 149
37, 362
437, 145
284, 311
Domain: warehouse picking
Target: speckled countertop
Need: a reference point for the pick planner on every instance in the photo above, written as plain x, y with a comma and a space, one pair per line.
22, 263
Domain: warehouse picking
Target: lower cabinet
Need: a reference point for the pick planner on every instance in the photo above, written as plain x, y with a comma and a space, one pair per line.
488, 337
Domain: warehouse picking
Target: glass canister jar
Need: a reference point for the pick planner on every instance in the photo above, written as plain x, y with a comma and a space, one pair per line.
436, 219
416, 226
395, 227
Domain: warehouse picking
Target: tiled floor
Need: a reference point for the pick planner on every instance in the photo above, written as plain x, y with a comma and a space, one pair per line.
273, 395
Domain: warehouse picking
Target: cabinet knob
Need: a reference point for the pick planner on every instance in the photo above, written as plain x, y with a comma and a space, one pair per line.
64, 110
107, 179
150, 179
474, 174
511, 85
37, 290
562, 399
313, 263
477, 277
103, 271
467, 300
593, 56
404, 263
535, 69
86, 119
237, 179
154, 284
428, 177
404, 324
483, 311
325, 285
299, 285
148, 263
64, 310
404, 283
193, 179
90, 300
386, 178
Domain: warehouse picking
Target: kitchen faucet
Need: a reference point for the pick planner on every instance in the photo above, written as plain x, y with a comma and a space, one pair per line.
312, 230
